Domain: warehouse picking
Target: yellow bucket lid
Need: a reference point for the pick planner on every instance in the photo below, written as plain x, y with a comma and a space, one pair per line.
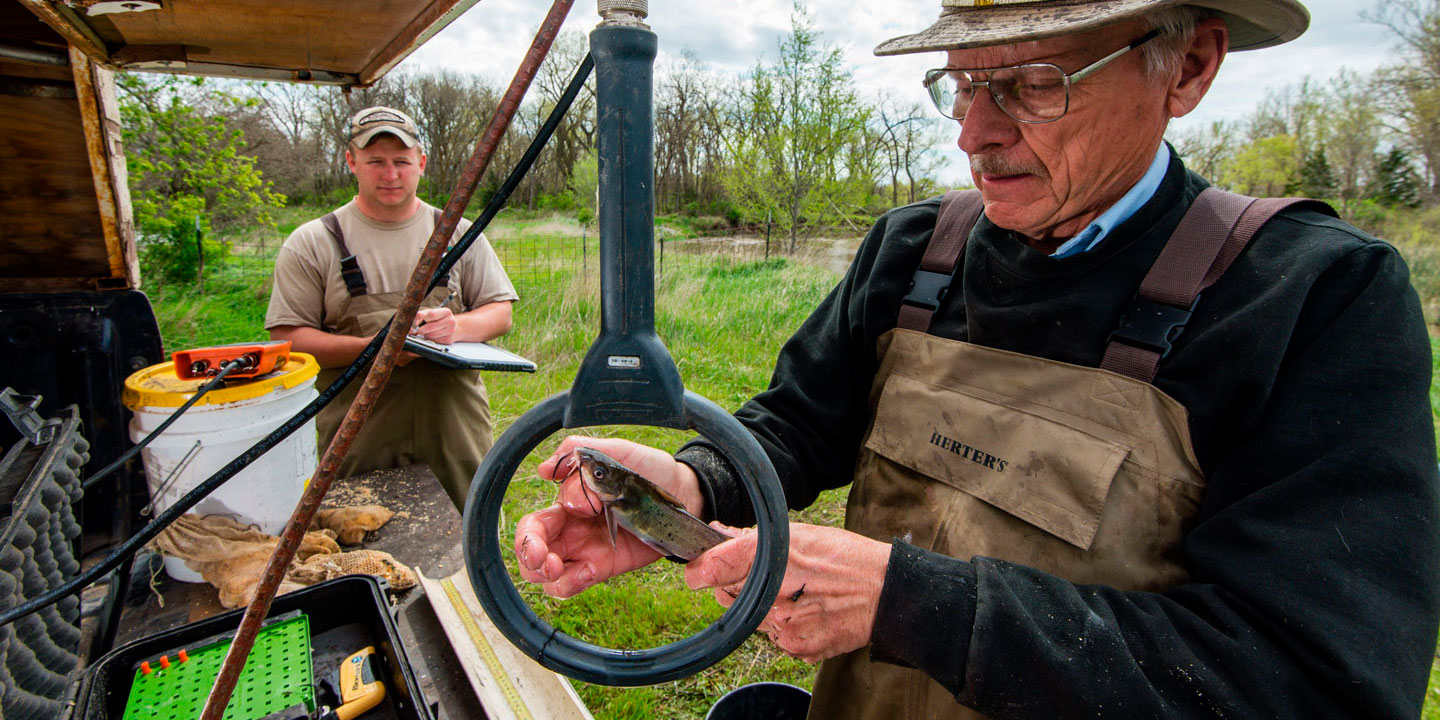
157, 385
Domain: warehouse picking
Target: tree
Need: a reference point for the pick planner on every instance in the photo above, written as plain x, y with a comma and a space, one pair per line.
174, 150
1417, 24
1208, 150
1264, 168
1353, 134
689, 135
1316, 178
1394, 181
795, 123
1412, 87
1296, 110
187, 169
1415, 106
909, 136
282, 132
450, 111
574, 138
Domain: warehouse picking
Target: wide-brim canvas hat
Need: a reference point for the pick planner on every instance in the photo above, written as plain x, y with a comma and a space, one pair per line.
979, 23
368, 123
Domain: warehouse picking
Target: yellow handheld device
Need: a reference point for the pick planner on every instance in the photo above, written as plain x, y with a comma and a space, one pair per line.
360, 688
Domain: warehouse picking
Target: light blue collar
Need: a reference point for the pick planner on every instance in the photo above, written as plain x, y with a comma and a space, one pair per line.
1121, 211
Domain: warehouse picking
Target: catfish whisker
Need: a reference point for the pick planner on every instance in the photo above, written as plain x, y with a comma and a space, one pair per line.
585, 491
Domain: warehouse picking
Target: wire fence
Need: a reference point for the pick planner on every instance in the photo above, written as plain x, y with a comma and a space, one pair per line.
252, 261
536, 261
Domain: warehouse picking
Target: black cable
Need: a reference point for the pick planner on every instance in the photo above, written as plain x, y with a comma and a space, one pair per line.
172, 513
225, 369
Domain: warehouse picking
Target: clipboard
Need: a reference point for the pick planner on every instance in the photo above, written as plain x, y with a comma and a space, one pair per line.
469, 355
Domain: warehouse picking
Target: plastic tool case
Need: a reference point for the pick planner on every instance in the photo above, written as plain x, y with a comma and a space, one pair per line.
345, 615
39, 488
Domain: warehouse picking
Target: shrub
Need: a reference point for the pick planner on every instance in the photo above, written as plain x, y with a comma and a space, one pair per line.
167, 243
559, 202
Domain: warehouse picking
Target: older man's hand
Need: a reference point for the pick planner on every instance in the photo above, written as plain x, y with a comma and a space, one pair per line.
828, 599
566, 547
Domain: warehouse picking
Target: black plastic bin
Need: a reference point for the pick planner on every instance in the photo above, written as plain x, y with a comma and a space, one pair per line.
346, 614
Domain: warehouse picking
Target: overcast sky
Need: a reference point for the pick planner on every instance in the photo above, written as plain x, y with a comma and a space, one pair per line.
731, 35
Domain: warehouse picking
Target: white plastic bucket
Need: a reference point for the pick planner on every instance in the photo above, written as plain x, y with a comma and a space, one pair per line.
216, 430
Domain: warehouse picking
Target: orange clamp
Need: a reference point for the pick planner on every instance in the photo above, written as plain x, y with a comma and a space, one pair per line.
257, 358
164, 662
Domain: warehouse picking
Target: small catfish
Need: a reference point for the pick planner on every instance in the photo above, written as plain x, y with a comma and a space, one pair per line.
643, 508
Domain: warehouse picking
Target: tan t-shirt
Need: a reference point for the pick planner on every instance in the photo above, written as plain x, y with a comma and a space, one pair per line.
309, 291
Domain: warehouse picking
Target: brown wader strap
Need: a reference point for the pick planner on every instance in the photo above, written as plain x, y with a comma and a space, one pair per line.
1214, 231
959, 211
444, 279
349, 266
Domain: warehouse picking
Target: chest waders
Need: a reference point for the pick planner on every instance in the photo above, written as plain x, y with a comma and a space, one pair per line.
427, 413
626, 378
1084, 473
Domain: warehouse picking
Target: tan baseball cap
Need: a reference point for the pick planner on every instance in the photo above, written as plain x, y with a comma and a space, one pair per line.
368, 123
980, 23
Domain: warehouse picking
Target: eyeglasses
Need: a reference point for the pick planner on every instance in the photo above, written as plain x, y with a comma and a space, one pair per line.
1031, 93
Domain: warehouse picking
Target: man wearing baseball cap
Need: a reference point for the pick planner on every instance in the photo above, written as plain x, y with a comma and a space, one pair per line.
338, 280
1121, 445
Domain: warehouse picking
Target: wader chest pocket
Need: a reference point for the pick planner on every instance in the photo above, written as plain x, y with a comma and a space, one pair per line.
1027, 461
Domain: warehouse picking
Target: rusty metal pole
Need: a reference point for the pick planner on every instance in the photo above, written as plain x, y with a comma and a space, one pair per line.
379, 374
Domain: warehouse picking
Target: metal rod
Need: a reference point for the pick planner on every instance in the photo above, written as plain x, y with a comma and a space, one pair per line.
365, 399
34, 54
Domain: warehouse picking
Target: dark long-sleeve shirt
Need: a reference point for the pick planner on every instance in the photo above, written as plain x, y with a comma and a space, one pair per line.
1305, 371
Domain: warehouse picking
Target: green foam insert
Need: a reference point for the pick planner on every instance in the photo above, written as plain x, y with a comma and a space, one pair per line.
277, 675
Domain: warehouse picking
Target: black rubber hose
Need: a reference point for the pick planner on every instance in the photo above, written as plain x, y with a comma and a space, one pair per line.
225, 369
172, 513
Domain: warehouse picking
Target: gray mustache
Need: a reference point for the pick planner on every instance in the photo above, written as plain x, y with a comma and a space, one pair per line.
995, 165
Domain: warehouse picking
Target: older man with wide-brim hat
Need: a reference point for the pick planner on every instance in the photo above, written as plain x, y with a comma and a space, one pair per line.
1121, 444
1061, 50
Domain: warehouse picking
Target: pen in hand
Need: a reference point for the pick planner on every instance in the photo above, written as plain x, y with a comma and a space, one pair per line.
443, 303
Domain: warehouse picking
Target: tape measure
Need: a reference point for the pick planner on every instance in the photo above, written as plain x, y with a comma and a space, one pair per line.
487, 653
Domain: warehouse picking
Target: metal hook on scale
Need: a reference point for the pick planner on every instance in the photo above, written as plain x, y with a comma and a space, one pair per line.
626, 378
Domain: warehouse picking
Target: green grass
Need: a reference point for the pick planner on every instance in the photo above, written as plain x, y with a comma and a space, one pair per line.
231, 308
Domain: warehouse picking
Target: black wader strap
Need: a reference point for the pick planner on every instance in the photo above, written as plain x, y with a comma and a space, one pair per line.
1214, 231
349, 268
959, 211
